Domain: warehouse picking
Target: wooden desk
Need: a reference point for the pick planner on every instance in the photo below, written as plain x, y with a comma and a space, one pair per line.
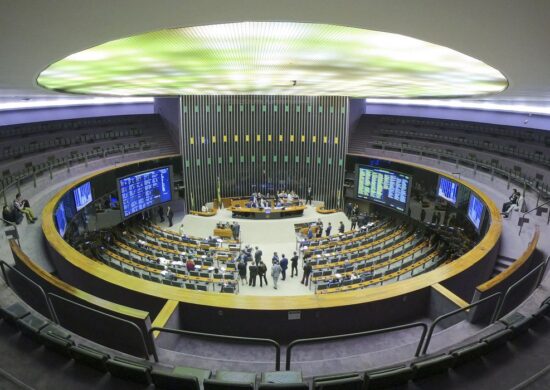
255, 213
223, 232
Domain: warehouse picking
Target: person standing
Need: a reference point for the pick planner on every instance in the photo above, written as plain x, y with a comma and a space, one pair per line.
284, 265
341, 228
253, 268
275, 273
309, 195
169, 215
160, 212
294, 265
349, 208
353, 222
262, 270
241, 267
329, 229
307, 271
275, 258
258, 256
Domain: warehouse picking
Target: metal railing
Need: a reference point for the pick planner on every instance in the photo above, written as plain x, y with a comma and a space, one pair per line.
32, 283
530, 211
129, 323
14, 225
253, 340
540, 268
452, 313
66, 162
358, 334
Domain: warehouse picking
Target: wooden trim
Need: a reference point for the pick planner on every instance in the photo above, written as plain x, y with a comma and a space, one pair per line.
164, 315
204, 213
314, 301
451, 296
322, 210
508, 272
73, 291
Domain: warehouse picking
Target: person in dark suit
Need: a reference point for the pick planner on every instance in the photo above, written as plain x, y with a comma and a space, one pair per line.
307, 271
169, 215
258, 256
309, 195
329, 229
341, 228
262, 270
253, 269
284, 265
160, 212
241, 267
294, 265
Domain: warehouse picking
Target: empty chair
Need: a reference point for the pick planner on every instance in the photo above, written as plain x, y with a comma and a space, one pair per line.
14, 312
89, 356
190, 286
231, 380
202, 287
387, 377
228, 289
432, 365
179, 378
346, 381
288, 380
31, 325
56, 339
468, 352
130, 369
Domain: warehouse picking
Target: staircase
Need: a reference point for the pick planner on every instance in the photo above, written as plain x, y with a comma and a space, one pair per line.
501, 264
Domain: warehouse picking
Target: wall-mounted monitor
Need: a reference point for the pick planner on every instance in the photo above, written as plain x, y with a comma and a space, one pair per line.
83, 195
447, 189
384, 186
61, 219
144, 190
475, 211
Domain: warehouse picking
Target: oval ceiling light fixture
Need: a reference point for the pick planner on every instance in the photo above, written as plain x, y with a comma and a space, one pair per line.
272, 58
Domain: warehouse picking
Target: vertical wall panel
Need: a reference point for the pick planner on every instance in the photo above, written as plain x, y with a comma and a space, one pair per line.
249, 165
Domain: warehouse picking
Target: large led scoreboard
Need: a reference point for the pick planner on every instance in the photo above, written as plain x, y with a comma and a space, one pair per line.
144, 190
383, 186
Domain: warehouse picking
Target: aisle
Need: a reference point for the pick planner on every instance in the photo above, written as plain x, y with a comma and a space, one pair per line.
270, 236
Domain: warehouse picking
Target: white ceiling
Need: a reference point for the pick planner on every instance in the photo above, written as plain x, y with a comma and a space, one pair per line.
512, 36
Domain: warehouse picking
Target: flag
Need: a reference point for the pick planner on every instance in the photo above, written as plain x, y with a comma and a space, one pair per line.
192, 202
338, 199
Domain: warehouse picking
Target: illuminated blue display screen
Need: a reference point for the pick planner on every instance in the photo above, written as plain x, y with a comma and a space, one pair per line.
447, 189
383, 186
61, 219
144, 190
475, 211
82, 195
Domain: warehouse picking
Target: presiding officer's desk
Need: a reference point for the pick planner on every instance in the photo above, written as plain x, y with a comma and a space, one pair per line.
239, 210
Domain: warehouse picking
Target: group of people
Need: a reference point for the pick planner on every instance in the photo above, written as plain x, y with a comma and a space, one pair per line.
20, 207
258, 268
281, 198
319, 229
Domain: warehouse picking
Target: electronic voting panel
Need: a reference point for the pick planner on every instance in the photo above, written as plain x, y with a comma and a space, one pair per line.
384, 186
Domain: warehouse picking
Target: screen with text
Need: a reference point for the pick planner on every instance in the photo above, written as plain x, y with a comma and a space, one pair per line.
143, 190
475, 211
82, 195
383, 186
447, 189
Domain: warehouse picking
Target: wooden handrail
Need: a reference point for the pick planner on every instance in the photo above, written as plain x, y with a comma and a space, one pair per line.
508, 272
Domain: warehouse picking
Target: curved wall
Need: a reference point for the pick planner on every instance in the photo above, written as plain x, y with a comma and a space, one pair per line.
269, 316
